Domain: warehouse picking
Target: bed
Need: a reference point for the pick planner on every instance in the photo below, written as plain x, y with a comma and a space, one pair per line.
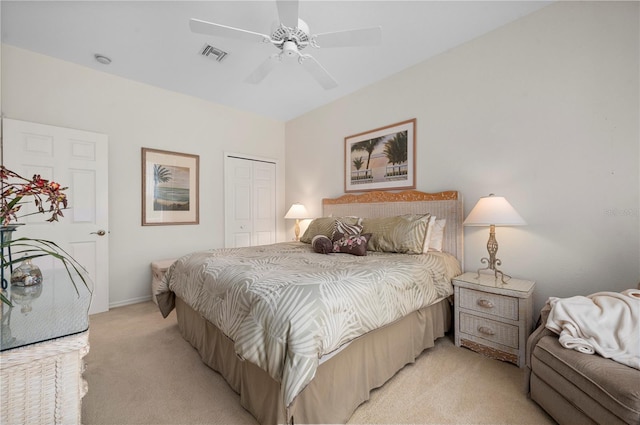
303, 337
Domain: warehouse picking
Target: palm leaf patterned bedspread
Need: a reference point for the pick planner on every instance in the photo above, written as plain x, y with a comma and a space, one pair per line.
285, 306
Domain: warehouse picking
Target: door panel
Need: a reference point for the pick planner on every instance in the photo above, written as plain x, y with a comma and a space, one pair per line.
238, 208
77, 159
249, 202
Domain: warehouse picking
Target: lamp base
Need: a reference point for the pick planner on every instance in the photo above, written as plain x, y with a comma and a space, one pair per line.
496, 272
492, 261
297, 230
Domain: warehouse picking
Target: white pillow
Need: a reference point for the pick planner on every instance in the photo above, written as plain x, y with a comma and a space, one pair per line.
427, 238
437, 235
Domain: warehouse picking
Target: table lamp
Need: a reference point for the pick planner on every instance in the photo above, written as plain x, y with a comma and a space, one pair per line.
493, 211
299, 212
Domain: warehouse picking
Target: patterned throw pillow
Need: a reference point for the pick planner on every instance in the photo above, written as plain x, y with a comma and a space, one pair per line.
322, 244
355, 245
346, 227
324, 226
403, 233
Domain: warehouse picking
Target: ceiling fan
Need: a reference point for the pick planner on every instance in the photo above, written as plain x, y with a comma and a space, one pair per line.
291, 35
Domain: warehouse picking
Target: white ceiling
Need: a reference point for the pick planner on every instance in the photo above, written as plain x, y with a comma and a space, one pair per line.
150, 42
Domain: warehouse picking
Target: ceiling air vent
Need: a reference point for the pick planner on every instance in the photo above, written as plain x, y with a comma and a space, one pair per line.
213, 53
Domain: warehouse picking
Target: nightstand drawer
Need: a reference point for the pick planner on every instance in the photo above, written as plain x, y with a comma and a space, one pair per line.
501, 333
494, 304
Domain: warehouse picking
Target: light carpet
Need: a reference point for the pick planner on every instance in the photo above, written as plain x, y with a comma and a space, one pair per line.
141, 371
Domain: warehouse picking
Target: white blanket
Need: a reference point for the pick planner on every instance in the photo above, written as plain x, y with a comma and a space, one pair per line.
607, 323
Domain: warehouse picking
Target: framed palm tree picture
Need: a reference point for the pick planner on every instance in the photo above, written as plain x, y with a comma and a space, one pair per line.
169, 187
381, 159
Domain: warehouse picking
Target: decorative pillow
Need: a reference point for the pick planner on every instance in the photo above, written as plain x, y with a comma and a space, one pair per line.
323, 226
427, 238
437, 235
346, 228
403, 233
355, 245
322, 244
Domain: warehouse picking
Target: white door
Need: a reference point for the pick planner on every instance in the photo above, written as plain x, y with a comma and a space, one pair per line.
78, 160
264, 203
250, 201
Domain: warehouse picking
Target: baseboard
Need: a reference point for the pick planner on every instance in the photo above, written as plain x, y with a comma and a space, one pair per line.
130, 301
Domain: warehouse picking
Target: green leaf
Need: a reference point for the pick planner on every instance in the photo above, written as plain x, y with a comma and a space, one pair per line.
29, 248
5, 299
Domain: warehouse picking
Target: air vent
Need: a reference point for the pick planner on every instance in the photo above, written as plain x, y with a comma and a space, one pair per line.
213, 53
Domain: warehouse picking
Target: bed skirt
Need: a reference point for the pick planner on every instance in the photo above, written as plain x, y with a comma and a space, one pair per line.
341, 383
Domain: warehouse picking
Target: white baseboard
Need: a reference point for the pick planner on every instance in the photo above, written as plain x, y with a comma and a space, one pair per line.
130, 301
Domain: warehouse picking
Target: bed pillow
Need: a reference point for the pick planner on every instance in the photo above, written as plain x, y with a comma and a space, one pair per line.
352, 244
403, 233
322, 244
324, 226
437, 235
427, 238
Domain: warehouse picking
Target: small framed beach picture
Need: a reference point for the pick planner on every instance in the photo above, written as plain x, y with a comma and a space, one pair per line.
381, 159
169, 187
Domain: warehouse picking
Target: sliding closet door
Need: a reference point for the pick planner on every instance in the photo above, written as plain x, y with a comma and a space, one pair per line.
250, 201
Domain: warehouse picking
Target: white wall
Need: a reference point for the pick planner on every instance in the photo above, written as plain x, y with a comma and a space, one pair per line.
45, 90
545, 112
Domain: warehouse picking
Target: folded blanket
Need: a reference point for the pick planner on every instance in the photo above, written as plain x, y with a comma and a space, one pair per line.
607, 323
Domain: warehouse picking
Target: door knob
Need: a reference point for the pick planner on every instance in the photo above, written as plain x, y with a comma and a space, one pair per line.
99, 233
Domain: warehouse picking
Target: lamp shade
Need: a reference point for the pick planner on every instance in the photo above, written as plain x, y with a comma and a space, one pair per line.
297, 211
494, 210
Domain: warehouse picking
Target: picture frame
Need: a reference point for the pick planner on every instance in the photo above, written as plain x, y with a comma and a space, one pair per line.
381, 159
170, 188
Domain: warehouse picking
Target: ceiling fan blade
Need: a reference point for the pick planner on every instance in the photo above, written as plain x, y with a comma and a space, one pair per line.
358, 37
209, 28
318, 72
288, 12
263, 70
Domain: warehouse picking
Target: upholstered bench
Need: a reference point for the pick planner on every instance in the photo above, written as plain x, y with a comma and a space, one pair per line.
578, 388
158, 269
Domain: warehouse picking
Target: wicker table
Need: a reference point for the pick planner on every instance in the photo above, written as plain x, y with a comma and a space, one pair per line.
493, 318
43, 339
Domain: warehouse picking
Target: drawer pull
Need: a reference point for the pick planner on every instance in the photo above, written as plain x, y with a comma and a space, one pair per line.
485, 303
485, 330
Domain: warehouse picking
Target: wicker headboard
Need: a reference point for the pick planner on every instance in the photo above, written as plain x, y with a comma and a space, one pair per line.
385, 204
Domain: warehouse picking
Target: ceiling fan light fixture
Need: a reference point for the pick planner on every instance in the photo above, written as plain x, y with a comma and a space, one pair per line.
281, 34
290, 48
290, 35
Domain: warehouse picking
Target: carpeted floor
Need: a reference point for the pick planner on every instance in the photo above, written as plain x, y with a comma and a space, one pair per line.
141, 371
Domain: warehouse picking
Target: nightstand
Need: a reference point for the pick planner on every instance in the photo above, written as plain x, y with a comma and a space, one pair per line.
493, 318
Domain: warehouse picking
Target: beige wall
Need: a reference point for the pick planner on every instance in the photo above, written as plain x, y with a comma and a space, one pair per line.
544, 112
45, 90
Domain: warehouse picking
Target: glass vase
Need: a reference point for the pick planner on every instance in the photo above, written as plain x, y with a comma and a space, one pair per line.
6, 232
26, 274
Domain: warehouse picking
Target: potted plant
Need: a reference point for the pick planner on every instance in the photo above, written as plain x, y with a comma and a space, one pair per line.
48, 197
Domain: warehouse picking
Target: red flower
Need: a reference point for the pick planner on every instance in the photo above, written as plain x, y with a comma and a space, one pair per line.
15, 187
